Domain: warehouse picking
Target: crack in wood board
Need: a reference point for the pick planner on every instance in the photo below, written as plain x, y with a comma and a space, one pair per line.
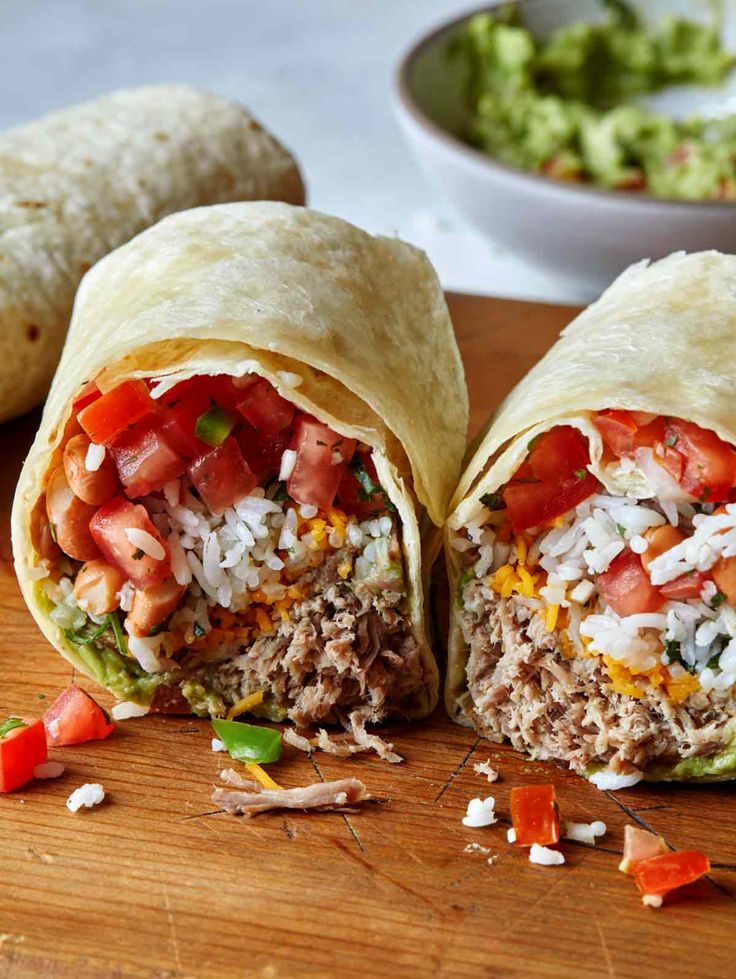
454, 774
642, 822
351, 829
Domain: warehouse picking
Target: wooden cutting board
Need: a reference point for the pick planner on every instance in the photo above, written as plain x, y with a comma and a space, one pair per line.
155, 883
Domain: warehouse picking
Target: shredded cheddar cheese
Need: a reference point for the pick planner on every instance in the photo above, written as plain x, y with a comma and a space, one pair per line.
244, 705
550, 618
261, 776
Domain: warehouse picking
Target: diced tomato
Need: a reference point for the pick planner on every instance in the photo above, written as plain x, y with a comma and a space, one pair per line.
109, 416
265, 409
709, 471
353, 495
627, 588
533, 504
145, 460
321, 459
262, 452
534, 815
222, 476
21, 749
670, 459
74, 717
625, 431
686, 586
88, 393
556, 454
662, 874
180, 408
108, 527
552, 480
617, 429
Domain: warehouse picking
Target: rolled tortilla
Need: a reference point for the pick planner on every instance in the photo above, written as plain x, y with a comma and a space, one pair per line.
349, 328
82, 181
659, 341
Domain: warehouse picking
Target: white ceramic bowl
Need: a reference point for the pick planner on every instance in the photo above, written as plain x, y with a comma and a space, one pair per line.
585, 232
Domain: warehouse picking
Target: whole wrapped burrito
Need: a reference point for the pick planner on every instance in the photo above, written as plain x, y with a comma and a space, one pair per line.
592, 540
80, 182
257, 408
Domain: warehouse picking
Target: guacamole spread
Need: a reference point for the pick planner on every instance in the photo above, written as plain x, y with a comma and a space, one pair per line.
566, 106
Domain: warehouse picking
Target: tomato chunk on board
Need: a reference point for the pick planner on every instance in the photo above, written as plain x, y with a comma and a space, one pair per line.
222, 477
265, 409
145, 461
110, 415
22, 747
662, 874
321, 459
627, 588
534, 815
74, 717
108, 527
709, 471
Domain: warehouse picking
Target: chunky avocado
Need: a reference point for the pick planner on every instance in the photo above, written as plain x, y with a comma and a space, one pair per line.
721, 765
567, 106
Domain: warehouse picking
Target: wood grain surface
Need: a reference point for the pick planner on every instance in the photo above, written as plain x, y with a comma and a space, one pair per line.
154, 883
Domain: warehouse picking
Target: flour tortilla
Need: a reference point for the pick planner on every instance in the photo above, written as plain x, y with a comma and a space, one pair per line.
661, 339
352, 328
80, 182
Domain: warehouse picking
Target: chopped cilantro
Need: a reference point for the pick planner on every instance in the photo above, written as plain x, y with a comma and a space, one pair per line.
117, 629
197, 631
581, 473
86, 638
621, 529
718, 599
368, 486
494, 501
10, 725
671, 439
674, 652
42, 696
280, 493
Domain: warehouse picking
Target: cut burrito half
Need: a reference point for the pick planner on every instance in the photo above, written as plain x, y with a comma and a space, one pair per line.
82, 181
592, 540
257, 408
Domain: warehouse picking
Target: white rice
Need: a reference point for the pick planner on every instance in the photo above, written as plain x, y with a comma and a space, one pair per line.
126, 709
288, 461
88, 795
544, 856
48, 769
480, 812
146, 542
95, 457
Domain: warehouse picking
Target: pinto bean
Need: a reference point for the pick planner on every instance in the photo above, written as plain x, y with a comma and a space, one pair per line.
70, 517
96, 587
92, 487
153, 605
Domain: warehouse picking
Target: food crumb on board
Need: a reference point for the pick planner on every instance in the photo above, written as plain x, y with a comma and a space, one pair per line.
652, 900
480, 812
218, 745
48, 769
584, 832
511, 834
476, 848
88, 795
544, 856
484, 768
127, 709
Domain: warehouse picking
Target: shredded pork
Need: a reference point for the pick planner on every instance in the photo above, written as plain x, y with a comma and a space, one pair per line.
347, 644
250, 798
563, 708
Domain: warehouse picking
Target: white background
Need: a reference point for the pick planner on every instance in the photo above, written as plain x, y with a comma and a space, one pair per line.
319, 73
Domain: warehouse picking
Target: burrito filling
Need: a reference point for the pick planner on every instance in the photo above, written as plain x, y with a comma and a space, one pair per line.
211, 547
601, 628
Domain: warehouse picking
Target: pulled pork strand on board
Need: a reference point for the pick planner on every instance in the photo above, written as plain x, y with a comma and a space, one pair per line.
232, 545
601, 628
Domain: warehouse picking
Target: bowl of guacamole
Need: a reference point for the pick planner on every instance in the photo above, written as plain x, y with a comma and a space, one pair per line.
587, 134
